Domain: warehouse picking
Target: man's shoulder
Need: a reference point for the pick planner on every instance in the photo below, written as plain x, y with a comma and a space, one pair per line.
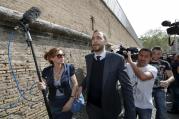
114, 55
160, 62
163, 61
111, 54
166, 65
89, 55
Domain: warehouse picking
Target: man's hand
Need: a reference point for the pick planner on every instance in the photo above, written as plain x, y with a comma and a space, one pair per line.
129, 59
164, 84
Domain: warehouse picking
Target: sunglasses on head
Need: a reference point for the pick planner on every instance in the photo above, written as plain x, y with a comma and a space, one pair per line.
60, 55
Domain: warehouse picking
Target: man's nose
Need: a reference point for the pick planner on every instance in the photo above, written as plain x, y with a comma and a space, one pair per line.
143, 58
95, 40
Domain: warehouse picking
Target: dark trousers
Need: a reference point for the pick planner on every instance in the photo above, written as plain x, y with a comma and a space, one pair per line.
143, 113
160, 103
175, 97
95, 112
56, 106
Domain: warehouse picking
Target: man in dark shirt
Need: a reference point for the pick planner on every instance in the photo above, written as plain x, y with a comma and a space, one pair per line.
104, 70
163, 80
175, 86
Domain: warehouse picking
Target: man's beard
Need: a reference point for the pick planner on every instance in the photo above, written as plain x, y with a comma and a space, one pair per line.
142, 63
98, 48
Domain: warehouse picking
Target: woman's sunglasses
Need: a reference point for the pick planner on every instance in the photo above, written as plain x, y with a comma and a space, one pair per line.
60, 55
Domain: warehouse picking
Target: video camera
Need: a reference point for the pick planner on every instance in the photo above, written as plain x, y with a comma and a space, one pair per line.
173, 27
123, 51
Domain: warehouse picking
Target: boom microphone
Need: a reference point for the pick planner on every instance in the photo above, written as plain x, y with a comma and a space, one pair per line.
30, 15
166, 23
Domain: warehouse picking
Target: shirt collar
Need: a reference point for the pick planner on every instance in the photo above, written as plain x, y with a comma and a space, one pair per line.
102, 54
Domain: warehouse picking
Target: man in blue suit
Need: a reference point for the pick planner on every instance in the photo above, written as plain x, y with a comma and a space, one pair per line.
104, 70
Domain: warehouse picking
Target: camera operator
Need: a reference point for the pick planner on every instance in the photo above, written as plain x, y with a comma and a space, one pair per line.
142, 75
163, 80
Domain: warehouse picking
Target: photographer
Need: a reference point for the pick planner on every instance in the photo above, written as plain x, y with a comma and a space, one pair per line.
142, 75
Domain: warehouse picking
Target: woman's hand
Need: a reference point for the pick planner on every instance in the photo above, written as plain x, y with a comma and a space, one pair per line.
42, 85
68, 105
79, 91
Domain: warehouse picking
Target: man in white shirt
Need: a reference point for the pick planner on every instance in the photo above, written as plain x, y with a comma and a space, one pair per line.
142, 75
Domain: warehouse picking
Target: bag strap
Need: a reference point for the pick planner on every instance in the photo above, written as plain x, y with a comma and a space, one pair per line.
68, 72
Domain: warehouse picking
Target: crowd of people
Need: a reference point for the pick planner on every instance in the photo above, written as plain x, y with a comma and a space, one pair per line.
140, 82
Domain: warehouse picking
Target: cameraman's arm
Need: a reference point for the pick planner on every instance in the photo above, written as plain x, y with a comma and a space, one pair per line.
140, 74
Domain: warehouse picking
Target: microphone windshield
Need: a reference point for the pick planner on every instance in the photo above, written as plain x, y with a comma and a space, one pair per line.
31, 15
166, 23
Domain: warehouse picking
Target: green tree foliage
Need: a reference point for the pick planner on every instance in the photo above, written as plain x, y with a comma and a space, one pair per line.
155, 38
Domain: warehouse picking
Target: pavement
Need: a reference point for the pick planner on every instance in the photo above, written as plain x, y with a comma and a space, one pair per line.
169, 105
83, 115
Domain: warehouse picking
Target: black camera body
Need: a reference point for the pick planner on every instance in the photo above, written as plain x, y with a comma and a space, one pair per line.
123, 51
173, 27
174, 30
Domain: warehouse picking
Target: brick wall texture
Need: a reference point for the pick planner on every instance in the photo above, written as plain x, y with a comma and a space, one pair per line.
30, 105
27, 102
76, 15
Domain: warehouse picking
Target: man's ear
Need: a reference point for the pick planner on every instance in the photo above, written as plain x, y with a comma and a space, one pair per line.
105, 42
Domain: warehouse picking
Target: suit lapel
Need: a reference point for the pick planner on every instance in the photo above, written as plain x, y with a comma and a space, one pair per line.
106, 67
89, 61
